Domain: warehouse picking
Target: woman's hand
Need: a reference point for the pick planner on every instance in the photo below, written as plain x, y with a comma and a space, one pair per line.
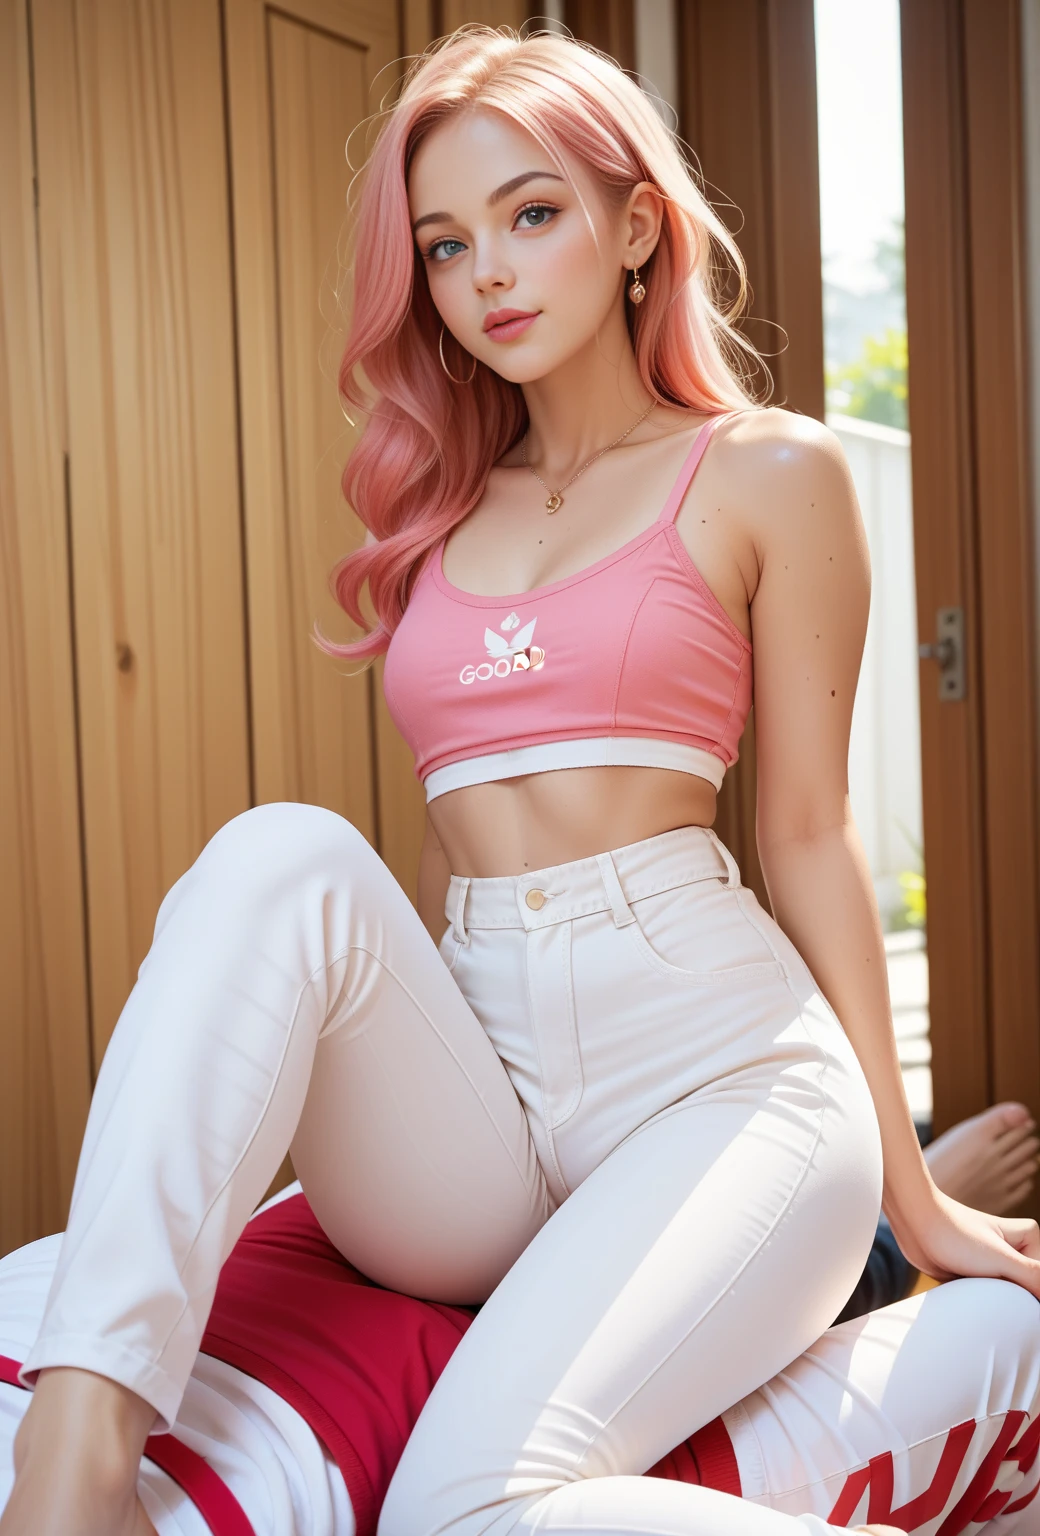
953, 1240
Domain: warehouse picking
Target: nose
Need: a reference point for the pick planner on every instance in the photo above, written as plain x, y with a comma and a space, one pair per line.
491, 272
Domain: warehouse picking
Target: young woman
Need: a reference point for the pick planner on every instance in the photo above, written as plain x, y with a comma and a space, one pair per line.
648, 1123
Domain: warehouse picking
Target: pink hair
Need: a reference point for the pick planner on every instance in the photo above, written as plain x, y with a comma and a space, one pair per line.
424, 457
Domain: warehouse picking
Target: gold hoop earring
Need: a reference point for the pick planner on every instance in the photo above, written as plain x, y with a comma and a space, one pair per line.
636, 292
451, 376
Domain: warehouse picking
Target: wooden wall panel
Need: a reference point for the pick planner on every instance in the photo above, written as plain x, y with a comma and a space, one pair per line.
401, 804
44, 1018
424, 20
300, 78
449, 14
608, 25
135, 228
748, 111
417, 26
747, 85
319, 91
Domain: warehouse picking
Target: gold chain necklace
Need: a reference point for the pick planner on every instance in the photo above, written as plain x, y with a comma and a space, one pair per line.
555, 501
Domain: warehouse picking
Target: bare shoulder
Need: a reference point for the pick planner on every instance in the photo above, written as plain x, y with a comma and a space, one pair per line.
787, 487
778, 460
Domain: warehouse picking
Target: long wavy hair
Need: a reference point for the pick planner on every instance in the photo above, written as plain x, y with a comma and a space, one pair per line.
423, 459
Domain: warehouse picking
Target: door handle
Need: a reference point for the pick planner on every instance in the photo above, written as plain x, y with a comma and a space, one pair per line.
948, 650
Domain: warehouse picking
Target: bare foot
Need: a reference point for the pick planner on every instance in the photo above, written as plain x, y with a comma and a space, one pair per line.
990, 1161
76, 1458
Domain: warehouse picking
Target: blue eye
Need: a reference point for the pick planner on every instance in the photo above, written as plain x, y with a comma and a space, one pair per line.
443, 250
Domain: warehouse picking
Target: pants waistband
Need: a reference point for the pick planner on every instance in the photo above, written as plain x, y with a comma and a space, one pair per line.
606, 882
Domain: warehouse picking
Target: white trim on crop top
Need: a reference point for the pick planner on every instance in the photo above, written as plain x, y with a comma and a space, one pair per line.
586, 752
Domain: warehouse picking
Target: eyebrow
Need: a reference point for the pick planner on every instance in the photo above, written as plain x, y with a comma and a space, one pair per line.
496, 197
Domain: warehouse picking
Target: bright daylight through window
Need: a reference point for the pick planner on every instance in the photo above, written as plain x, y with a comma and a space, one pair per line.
865, 345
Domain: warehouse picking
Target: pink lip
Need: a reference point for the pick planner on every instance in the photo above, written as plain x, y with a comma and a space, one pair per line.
504, 324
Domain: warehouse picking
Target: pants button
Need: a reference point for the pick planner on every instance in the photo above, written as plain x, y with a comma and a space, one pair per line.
536, 900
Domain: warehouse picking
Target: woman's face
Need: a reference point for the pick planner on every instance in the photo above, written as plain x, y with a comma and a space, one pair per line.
513, 267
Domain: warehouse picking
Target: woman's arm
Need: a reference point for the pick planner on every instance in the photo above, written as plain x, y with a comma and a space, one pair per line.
809, 617
432, 891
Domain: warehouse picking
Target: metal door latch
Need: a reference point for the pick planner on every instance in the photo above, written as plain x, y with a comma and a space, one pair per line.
948, 651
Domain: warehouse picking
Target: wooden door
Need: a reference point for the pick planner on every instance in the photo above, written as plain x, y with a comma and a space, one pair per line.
44, 1009
135, 245
302, 77
974, 542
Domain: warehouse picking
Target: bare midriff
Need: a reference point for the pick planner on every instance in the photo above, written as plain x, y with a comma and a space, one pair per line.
542, 819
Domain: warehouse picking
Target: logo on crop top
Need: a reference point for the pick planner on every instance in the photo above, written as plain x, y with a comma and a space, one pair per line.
508, 655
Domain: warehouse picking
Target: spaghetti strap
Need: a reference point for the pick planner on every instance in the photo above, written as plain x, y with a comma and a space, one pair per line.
670, 510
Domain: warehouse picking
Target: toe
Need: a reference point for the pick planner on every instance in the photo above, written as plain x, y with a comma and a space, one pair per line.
1009, 1116
1020, 1154
1019, 1143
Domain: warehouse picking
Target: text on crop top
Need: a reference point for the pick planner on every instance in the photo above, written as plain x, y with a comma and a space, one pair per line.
632, 660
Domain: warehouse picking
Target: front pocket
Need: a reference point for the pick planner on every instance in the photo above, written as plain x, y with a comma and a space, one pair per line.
449, 948
702, 934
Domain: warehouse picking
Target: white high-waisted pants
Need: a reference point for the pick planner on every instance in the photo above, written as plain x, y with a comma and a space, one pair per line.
879, 1414
615, 1104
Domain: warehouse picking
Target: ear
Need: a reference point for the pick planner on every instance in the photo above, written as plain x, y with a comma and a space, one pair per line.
641, 223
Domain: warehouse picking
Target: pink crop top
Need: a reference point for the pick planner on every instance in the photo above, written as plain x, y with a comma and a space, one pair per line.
630, 661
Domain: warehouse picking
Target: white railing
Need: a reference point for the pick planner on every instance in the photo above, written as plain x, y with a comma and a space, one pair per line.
885, 750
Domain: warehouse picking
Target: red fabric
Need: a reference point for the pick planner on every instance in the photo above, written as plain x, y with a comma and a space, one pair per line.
707, 1457
882, 1486
1027, 1449
978, 1504
205, 1488
191, 1472
967, 1511
357, 1362
1013, 1509
847, 1503
929, 1504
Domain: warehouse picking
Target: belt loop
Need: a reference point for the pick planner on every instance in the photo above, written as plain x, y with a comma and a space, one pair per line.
732, 867
458, 922
623, 914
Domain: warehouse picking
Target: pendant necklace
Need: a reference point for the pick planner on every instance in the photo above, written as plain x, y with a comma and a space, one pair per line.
555, 501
